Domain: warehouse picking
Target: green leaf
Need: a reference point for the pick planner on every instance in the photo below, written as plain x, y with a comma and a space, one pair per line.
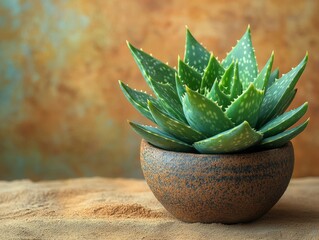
273, 76
276, 94
226, 81
189, 76
236, 139
176, 128
212, 72
284, 121
138, 100
169, 99
218, 96
160, 139
204, 115
262, 79
152, 68
283, 137
246, 106
245, 54
179, 87
236, 88
195, 54
286, 102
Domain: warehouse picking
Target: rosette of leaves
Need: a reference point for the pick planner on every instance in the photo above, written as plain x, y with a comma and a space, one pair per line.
208, 106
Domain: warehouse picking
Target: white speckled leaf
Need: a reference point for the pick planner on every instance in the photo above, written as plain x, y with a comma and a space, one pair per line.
261, 81
284, 121
151, 67
138, 100
273, 76
189, 76
179, 87
218, 96
204, 115
246, 106
283, 137
286, 102
195, 54
226, 82
245, 54
160, 138
277, 93
212, 72
236, 139
236, 88
169, 99
176, 128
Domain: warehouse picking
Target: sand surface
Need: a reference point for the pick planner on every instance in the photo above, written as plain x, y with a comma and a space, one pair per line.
101, 208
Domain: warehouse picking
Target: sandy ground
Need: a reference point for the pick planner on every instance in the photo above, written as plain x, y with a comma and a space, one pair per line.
100, 208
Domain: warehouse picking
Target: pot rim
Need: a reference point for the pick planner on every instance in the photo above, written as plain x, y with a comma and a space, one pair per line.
241, 154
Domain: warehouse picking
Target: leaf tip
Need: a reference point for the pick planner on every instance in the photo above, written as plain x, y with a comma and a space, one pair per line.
130, 46
188, 32
305, 124
188, 90
306, 104
150, 105
306, 56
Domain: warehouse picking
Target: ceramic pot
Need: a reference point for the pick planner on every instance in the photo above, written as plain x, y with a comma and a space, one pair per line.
220, 188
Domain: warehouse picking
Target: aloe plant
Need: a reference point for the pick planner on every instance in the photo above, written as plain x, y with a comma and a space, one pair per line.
208, 106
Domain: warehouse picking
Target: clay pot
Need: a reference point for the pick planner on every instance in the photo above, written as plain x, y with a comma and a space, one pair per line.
220, 188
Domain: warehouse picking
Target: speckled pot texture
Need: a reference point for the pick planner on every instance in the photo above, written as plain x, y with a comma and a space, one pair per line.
225, 188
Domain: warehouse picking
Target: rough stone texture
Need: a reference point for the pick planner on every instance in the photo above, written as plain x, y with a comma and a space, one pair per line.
100, 208
61, 110
226, 188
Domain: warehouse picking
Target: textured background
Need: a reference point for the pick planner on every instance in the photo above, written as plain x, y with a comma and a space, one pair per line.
61, 111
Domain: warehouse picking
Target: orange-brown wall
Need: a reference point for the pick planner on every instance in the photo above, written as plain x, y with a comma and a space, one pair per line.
61, 110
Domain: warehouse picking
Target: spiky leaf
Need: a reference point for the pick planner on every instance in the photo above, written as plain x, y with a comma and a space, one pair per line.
273, 76
283, 137
277, 93
138, 100
232, 140
189, 76
176, 128
236, 88
151, 67
245, 54
179, 87
284, 121
218, 96
212, 72
160, 138
226, 81
204, 115
246, 106
262, 79
169, 99
195, 54
286, 103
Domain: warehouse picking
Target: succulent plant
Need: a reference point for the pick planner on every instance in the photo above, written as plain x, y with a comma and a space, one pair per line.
208, 106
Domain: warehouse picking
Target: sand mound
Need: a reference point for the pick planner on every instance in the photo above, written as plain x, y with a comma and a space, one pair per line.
102, 208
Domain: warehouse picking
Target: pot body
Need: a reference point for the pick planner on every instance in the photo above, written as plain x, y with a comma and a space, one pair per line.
221, 188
